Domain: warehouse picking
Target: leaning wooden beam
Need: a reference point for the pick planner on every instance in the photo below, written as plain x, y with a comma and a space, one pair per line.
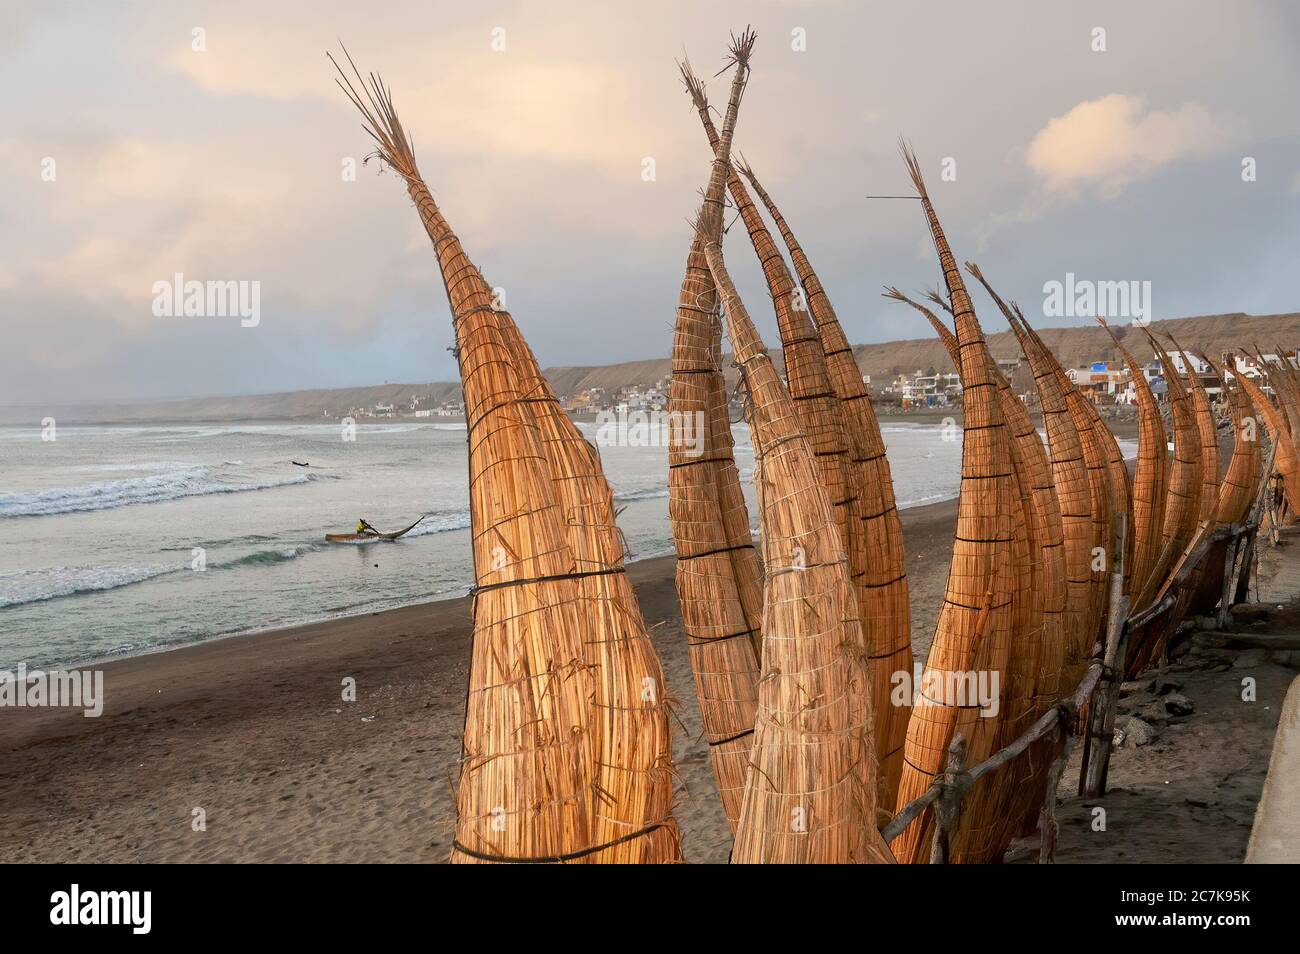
1101, 728
810, 791
1064, 713
1266, 475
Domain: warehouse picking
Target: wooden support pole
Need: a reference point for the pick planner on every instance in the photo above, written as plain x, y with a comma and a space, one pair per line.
1253, 523
1229, 579
1101, 710
1047, 824
947, 808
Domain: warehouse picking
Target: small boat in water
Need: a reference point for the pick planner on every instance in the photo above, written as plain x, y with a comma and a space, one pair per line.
354, 537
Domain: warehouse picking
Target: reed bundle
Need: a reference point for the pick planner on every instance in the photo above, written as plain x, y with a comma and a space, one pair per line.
882, 582
1038, 633
1209, 438
566, 751
1097, 444
1281, 377
974, 629
1120, 496
1183, 504
807, 378
1050, 586
1150, 476
1286, 461
717, 577
631, 725
1242, 477
1074, 495
810, 791
1183, 527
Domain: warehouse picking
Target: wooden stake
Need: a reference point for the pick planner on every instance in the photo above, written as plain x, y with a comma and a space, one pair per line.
947, 809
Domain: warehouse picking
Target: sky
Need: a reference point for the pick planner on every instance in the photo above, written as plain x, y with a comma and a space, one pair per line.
144, 140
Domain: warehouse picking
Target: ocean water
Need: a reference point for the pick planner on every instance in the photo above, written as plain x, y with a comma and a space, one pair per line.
104, 527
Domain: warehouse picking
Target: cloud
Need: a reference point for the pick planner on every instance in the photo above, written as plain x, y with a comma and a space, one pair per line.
523, 103
1110, 142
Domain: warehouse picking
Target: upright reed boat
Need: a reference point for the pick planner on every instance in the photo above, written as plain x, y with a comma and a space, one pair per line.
811, 787
717, 574
1150, 476
882, 582
975, 624
566, 750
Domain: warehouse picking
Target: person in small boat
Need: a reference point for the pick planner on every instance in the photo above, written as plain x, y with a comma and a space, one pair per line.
365, 528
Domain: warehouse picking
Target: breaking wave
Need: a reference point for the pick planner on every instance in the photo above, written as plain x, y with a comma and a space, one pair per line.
35, 586
110, 494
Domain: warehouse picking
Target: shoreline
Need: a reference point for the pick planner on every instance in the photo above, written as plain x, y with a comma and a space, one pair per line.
919, 417
933, 508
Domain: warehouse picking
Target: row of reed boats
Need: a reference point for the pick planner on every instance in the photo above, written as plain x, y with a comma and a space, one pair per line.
798, 643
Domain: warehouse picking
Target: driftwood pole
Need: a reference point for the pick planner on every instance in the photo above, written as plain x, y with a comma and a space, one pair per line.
1047, 824
1101, 715
1229, 579
1254, 521
947, 807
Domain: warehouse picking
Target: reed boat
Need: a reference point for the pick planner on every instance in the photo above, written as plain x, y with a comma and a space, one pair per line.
717, 574
1287, 460
355, 537
560, 762
1150, 476
1070, 477
1038, 632
882, 585
810, 789
1247, 459
975, 624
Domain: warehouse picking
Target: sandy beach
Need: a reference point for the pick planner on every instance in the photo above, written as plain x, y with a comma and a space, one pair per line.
251, 735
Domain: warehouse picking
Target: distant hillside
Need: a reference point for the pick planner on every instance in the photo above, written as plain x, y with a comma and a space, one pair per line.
1074, 346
